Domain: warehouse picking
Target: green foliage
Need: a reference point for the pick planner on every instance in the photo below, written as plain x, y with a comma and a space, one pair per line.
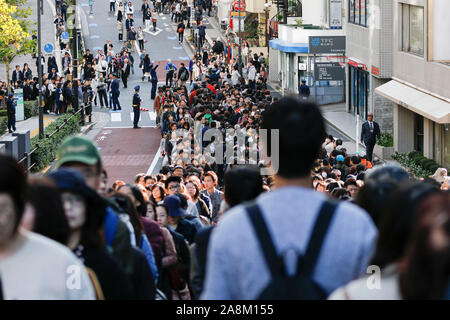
48, 146
3, 124
3, 113
31, 108
386, 140
416, 163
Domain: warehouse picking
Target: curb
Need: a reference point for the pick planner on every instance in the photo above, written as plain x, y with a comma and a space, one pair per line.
87, 128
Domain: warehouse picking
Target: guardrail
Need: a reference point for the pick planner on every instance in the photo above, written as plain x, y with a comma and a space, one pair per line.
28, 155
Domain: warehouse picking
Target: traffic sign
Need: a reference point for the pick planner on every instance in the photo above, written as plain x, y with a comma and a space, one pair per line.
236, 14
65, 35
238, 3
48, 48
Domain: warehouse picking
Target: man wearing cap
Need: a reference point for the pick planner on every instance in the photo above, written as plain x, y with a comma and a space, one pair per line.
154, 77
176, 220
370, 132
136, 107
11, 110
81, 154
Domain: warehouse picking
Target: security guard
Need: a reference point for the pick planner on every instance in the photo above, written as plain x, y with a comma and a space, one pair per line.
11, 111
136, 107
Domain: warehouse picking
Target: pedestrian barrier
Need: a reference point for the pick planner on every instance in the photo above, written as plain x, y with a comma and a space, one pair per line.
25, 160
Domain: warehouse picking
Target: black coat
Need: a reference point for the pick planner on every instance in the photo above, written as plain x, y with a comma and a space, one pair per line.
368, 136
142, 277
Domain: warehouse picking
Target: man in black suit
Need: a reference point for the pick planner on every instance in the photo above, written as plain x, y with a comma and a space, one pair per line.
370, 132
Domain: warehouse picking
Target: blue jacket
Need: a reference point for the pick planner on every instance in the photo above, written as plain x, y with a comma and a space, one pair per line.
149, 255
115, 87
191, 65
136, 100
11, 106
168, 65
201, 30
153, 73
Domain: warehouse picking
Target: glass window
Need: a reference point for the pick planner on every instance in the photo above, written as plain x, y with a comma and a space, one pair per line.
351, 10
413, 29
358, 12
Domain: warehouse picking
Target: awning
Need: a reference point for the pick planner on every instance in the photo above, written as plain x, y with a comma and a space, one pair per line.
417, 101
356, 63
289, 46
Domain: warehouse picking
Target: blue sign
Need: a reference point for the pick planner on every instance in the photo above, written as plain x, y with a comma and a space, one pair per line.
48, 48
65, 35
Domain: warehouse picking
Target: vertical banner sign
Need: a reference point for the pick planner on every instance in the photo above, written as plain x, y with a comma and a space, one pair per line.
335, 14
20, 110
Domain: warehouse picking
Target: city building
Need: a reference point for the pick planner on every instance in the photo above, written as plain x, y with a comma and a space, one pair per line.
291, 59
419, 88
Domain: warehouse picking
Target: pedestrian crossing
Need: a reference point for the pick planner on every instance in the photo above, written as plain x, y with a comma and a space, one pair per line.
125, 118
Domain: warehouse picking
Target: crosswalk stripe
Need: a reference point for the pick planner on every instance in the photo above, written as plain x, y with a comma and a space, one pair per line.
116, 116
152, 115
132, 116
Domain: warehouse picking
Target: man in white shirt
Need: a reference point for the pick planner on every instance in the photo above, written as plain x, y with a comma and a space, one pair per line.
32, 266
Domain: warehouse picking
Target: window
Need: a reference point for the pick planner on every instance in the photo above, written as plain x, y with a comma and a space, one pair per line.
413, 29
358, 12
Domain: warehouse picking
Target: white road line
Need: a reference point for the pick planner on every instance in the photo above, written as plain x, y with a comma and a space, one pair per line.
152, 115
155, 161
129, 127
132, 116
116, 117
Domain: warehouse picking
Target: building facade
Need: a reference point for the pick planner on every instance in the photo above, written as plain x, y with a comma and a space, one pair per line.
420, 85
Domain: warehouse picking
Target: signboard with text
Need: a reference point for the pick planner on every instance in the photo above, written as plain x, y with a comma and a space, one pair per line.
335, 14
20, 110
329, 71
327, 44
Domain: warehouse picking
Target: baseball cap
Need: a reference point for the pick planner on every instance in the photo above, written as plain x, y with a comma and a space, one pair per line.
340, 158
10, 94
174, 205
137, 88
78, 149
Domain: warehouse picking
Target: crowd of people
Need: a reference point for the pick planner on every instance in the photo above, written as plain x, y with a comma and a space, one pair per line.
231, 214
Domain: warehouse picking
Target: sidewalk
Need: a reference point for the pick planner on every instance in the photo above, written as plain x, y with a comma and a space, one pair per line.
32, 124
338, 118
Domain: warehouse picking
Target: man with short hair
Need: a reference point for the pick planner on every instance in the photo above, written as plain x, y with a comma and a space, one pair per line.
115, 93
236, 266
370, 132
303, 90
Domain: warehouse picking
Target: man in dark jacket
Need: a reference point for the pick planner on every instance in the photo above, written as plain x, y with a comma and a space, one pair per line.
89, 57
176, 220
17, 75
115, 93
201, 33
11, 111
51, 63
370, 132
154, 78
303, 90
217, 47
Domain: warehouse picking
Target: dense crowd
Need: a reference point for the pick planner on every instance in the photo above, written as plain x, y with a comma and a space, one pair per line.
294, 217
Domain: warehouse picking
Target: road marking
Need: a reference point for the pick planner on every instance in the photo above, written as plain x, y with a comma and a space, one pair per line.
129, 127
116, 116
95, 37
155, 161
84, 5
158, 31
183, 58
177, 48
172, 38
152, 115
96, 48
132, 116
93, 25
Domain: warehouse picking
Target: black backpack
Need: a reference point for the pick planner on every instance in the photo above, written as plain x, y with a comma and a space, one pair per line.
301, 286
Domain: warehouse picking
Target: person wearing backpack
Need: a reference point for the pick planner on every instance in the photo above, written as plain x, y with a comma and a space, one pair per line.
292, 242
183, 75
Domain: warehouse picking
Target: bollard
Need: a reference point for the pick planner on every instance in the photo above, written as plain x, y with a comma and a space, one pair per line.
11, 146
23, 138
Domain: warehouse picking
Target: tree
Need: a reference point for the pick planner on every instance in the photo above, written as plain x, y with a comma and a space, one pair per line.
15, 32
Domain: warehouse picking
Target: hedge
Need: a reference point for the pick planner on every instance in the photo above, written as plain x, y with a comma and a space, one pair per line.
31, 108
3, 113
419, 165
3, 124
46, 152
387, 140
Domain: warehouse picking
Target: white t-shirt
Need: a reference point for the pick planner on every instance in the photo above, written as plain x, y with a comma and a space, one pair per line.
43, 269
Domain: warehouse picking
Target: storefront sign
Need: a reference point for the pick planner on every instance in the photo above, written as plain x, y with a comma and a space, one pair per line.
329, 71
335, 14
327, 45
302, 66
236, 14
375, 71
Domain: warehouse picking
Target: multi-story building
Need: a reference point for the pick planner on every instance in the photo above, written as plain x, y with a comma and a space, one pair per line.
420, 85
291, 59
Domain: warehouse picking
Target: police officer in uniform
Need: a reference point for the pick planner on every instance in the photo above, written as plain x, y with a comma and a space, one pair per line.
11, 110
136, 107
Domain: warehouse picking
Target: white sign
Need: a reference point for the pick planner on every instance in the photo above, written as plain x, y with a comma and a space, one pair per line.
20, 109
335, 14
302, 67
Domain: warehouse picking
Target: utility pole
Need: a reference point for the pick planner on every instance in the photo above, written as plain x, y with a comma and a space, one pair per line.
240, 40
41, 107
75, 66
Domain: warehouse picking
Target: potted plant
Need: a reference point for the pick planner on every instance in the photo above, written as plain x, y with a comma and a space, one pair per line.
299, 22
385, 146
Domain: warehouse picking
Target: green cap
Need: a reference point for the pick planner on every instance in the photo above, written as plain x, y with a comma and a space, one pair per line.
78, 149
